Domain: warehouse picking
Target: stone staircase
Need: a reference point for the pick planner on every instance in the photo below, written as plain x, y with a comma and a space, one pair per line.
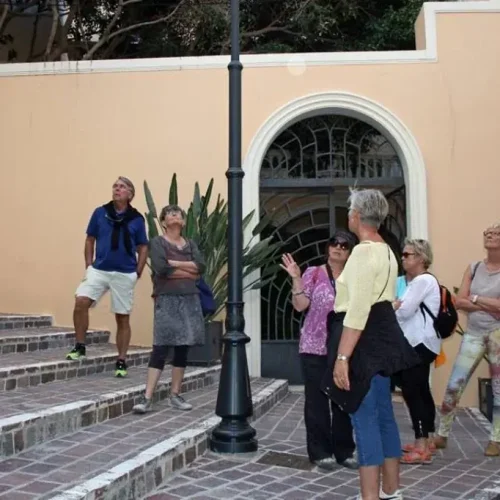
66, 427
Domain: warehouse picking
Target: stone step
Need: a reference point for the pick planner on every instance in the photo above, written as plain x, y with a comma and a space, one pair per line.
30, 369
34, 415
39, 339
12, 321
126, 457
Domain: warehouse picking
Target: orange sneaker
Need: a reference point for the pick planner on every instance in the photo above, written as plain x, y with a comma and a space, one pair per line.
417, 457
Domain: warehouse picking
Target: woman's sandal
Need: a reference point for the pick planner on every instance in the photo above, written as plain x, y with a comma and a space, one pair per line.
417, 457
408, 448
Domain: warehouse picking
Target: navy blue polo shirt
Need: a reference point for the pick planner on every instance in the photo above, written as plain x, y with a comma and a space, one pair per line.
101, 228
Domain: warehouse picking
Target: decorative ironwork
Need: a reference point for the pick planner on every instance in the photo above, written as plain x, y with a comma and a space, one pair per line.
335, 152
331, 147
303, 222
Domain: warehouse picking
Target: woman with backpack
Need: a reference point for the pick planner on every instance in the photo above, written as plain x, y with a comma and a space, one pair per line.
479, 298
415, 312
328, 429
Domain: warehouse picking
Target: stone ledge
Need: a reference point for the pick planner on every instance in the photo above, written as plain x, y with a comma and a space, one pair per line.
13, 321
33, 374
142, 474
23, 431
31, 339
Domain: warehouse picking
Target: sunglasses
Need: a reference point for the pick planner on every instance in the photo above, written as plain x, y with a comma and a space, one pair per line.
343, 245
405, 255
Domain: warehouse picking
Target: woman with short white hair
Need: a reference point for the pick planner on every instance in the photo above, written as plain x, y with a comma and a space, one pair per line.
372, 347
415, 312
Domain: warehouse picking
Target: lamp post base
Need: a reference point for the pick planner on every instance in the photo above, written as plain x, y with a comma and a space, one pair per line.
233, 436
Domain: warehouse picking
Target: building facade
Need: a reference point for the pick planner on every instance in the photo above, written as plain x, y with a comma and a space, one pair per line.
421, 125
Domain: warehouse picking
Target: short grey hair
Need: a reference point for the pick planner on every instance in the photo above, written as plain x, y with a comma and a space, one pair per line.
371, 206
423, 249
129, 184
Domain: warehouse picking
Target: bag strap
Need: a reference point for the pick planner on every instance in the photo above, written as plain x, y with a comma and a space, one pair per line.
423, 308
474, 270
388, 274
332, 279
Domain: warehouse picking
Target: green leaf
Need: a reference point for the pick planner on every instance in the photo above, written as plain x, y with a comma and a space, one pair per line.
152, 227
263, 223
172, 195
196, 201
149, 201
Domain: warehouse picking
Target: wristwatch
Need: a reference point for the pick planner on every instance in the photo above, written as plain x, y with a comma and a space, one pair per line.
342, 357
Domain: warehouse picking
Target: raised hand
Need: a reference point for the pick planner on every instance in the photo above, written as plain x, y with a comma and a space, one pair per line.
290, 266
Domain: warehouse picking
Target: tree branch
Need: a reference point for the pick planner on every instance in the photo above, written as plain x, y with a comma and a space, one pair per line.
33, 38
269, 29
3, 15
107, 35
53, 29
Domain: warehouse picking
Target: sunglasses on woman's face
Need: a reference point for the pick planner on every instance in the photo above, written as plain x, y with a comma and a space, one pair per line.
405, 255
343, 245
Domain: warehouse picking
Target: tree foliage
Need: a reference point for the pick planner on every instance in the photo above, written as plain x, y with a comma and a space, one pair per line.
110, 29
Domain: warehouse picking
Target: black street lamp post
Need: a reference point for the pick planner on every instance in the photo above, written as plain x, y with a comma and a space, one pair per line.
234, 400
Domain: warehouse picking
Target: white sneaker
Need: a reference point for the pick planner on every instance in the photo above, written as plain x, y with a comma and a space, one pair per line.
397, 495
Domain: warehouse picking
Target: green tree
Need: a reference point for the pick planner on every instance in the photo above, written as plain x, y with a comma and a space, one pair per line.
110, 29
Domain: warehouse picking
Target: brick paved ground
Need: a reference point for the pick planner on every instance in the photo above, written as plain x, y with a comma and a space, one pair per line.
57, 464
461, 472
25, 400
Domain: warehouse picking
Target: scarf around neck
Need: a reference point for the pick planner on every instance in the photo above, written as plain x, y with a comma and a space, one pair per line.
120, 223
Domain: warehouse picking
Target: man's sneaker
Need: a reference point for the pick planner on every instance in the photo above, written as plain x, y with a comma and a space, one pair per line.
78, 352
121, 368
180, 403
143, 406
397, 495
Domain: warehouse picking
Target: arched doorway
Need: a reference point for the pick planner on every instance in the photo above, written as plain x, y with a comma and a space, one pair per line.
304, 185
346, 104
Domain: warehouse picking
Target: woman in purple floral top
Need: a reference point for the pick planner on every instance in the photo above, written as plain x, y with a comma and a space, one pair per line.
329, 429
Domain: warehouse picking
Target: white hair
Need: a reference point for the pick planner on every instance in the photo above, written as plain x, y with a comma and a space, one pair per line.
371, 206
423, 249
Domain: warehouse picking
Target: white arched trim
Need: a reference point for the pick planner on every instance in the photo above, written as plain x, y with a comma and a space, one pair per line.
343, 103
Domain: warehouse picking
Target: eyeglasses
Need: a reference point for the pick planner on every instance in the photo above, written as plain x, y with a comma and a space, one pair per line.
491, 233
343, 245
405, 255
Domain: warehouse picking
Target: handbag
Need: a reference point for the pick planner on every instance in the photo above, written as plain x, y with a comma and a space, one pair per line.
207, 299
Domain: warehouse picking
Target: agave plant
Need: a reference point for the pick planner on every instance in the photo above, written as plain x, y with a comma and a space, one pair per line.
208, 228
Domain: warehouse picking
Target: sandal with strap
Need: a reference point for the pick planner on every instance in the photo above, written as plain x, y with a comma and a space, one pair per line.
408, 448
417, 457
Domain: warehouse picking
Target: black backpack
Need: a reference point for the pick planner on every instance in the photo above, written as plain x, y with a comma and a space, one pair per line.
446, 321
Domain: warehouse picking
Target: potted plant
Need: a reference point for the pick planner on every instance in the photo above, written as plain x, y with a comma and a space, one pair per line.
207, 225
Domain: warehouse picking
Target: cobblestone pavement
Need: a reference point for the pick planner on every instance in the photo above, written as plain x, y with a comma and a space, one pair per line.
460, 472
57, 464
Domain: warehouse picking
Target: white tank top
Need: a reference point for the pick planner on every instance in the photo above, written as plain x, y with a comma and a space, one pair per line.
486, 284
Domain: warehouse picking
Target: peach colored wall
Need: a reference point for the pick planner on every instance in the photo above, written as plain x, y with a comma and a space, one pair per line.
65, 138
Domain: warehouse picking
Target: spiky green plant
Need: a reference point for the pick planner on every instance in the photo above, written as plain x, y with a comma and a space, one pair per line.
208, 228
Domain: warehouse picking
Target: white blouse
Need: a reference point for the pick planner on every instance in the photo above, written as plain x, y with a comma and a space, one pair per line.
418, 326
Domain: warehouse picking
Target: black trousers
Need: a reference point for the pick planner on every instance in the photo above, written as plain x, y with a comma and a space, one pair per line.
328, 429
417, 394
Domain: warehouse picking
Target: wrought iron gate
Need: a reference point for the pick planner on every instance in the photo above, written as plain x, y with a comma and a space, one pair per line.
304, 186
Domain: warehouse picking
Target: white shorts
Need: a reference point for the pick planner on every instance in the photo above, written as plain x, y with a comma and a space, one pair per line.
121, 285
